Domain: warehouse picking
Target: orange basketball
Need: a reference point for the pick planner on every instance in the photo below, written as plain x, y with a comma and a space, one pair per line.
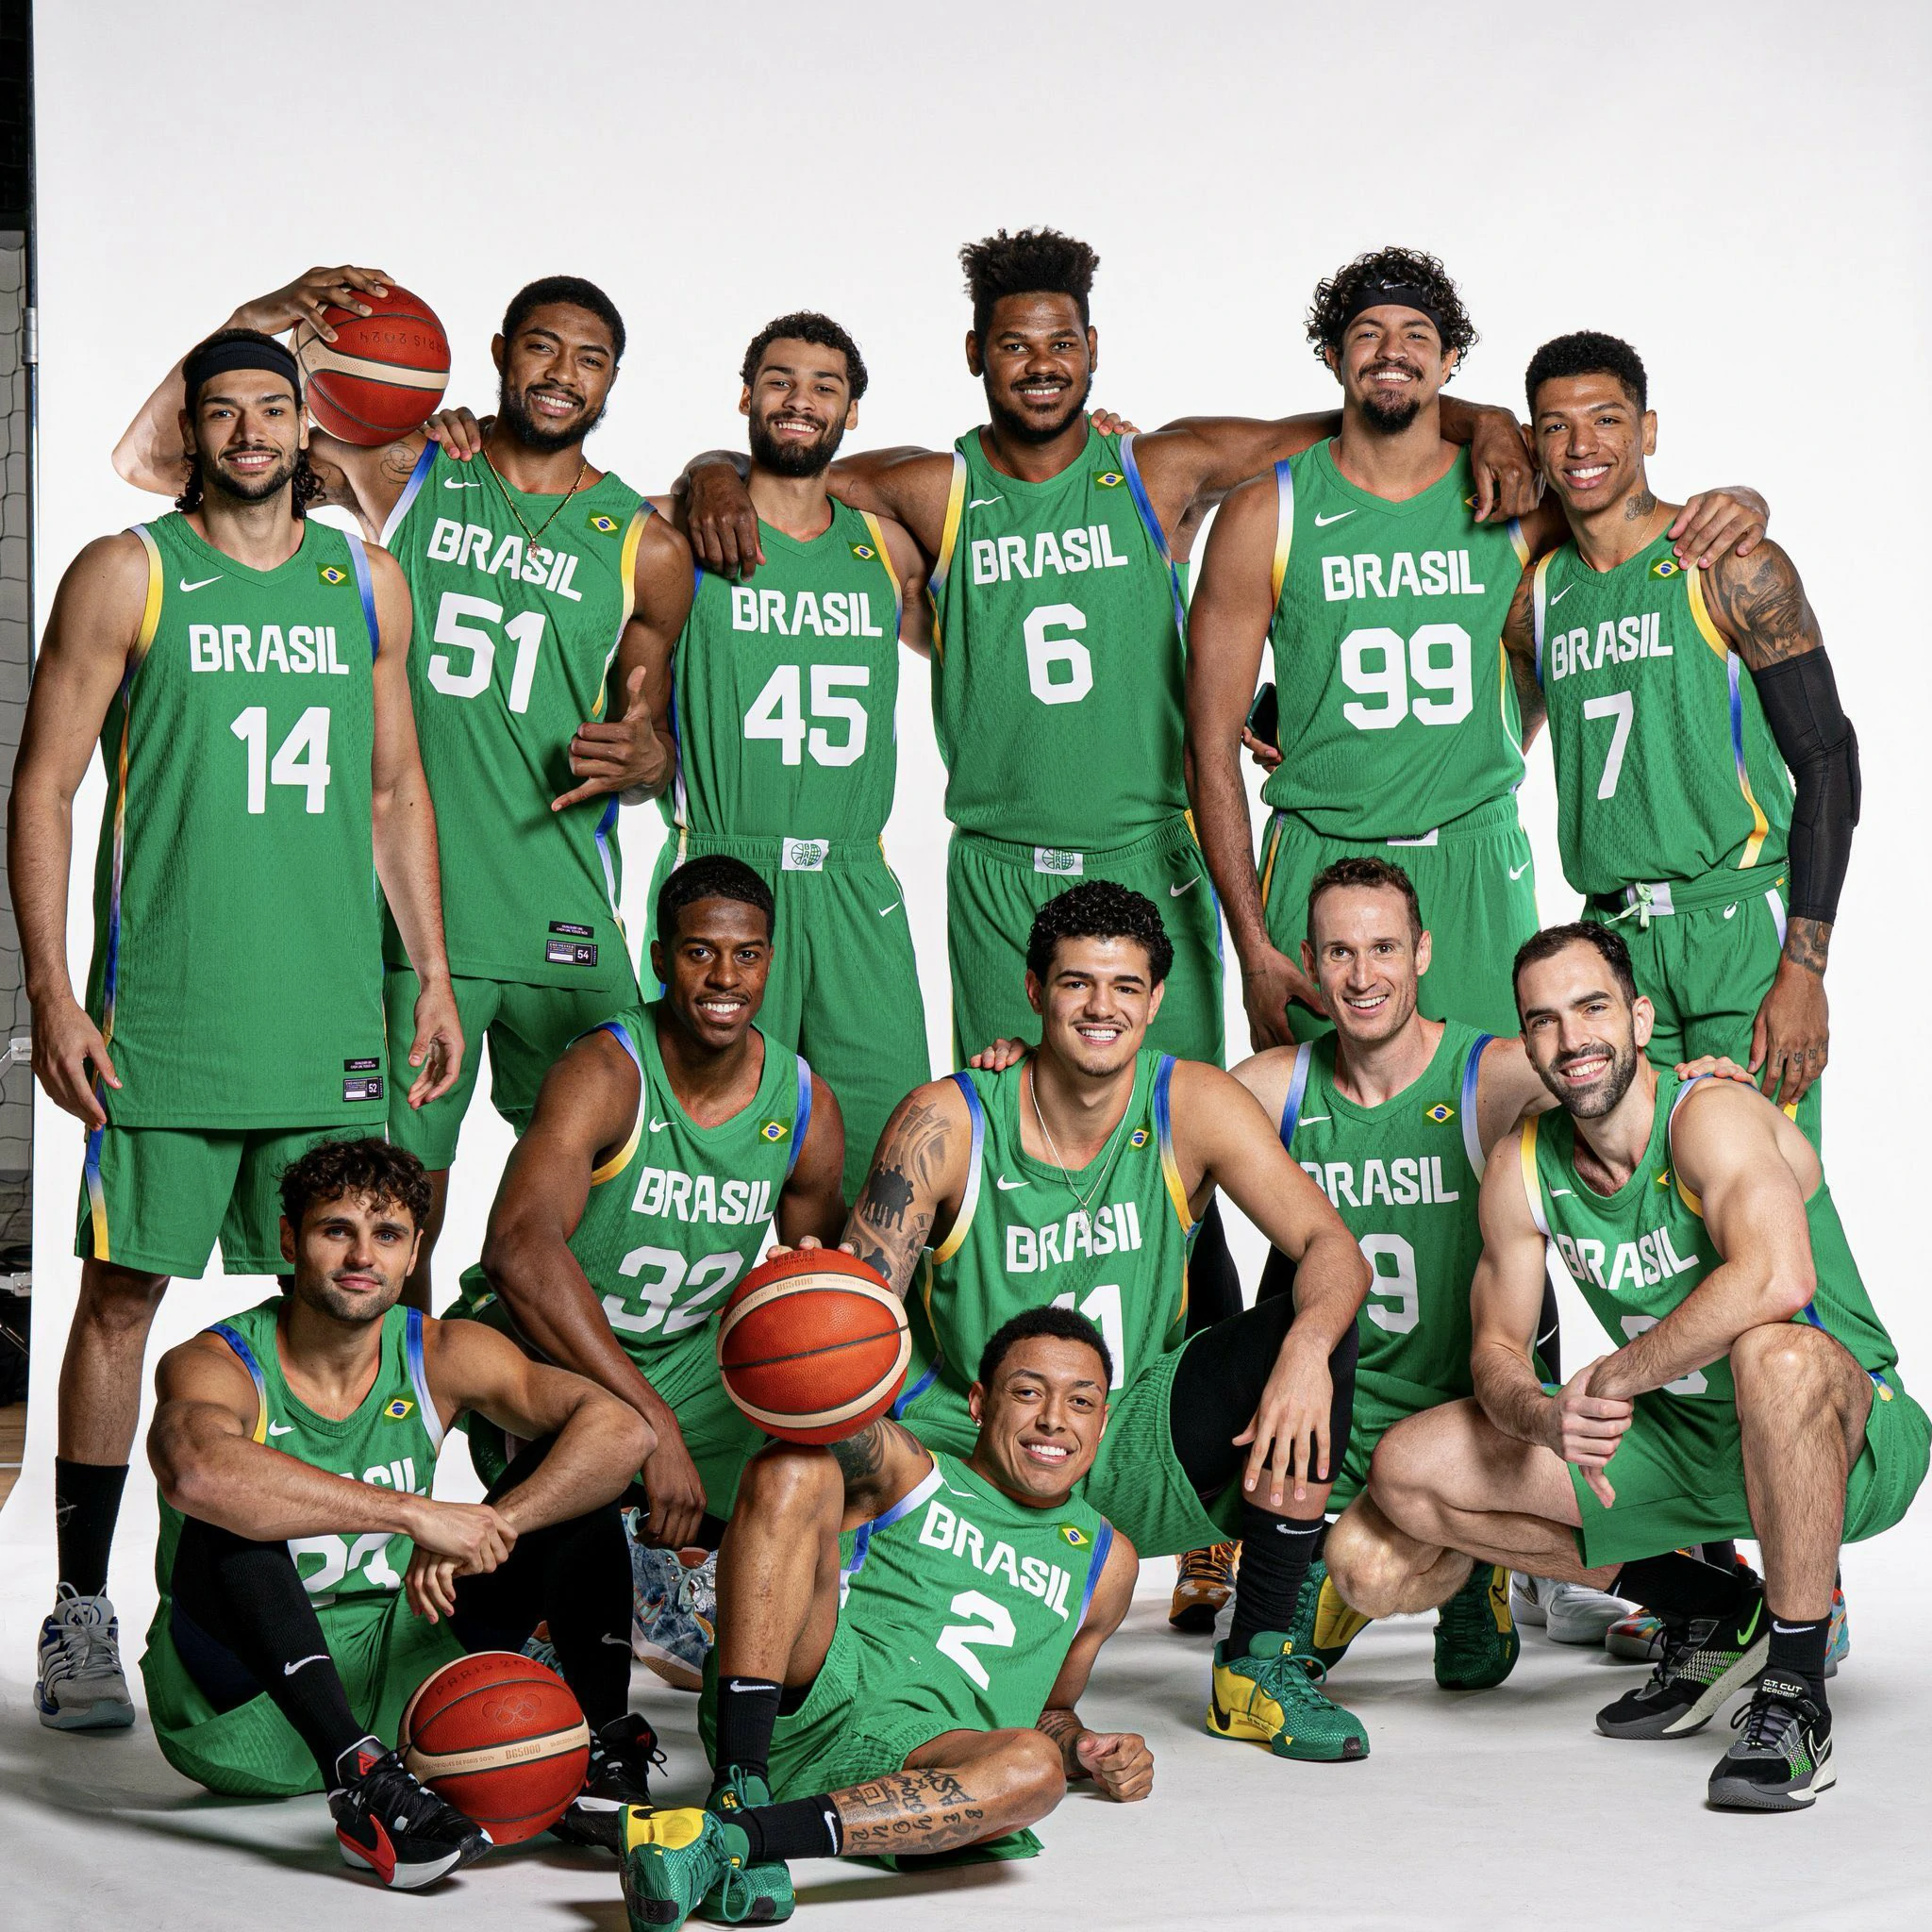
501, 1737
813, 1345
383, 375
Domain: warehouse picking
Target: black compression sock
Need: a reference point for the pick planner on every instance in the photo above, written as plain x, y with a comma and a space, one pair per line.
1681, 1588
747, 1710
804, 1828
87, 1503
1275, 1553
1797, 1650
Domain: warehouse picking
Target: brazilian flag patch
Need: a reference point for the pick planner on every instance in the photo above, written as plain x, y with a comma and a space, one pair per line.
1439, 1113
1138, 1137
332, 573
1666, 567
774, 1130
864, 552
1108, 480
602, 521
399, 1410
1073, 1533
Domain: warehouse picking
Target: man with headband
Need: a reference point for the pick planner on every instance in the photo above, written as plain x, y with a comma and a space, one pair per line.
244, 671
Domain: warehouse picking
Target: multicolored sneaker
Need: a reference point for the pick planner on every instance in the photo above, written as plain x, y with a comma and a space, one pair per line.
623, 1756
1202, 1588
1837, 1642
1566, 1612
1476, 1639
667, 1630
1324, 1626
1783, 1760
1638, 1639
1273, 1696
760, 1894
1704, 1665
389, 1823
672, 1860
81, 1685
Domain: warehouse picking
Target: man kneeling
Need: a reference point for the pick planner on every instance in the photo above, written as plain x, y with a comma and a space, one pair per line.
900, 1639
1755, 1397
308, 1584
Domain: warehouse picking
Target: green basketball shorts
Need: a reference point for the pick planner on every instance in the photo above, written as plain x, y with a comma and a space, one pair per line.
843, 989
1679, 1477
156, 1199
253, 1750
1476, 884
993, 890
1705, 952
1380, 1401
527, 1027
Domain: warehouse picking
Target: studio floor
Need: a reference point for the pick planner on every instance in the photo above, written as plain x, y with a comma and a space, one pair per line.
1472, 1810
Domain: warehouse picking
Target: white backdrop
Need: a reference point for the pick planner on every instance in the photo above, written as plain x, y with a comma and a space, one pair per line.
1740, 189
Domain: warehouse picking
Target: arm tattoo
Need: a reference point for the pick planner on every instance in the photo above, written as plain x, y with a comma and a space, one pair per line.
398, 462
1761, 606
909, 1811
1065, 1728
1519, 643
861, 1456
1808, 943
890, 1221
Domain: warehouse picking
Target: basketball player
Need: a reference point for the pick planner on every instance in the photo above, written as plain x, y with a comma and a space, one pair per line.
1756, 1394
309, 1584
242, 671
1365, 561
888, 1711
782, 701
1673, 768
665, 1145
544, 592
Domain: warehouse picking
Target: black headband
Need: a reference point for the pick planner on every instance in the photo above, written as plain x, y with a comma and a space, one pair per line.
1397, 295
249, 351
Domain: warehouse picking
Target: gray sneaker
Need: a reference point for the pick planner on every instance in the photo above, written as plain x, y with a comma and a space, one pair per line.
668, 1632
82, 1686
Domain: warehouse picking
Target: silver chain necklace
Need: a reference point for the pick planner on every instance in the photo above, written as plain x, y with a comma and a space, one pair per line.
1113, 1148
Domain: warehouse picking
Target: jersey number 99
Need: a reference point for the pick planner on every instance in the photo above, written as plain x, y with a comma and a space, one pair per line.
1376, 663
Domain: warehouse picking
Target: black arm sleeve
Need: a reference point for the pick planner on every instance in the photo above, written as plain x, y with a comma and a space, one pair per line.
1800, 700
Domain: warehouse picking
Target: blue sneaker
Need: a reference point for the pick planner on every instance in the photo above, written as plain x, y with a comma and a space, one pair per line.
668, 1631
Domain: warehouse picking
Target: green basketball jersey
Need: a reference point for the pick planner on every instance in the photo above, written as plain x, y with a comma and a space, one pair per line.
963, 1602
784, 691
236, 973
1397, 712
1405, 1177
1022, 1240
1637, 1254
512, 648
1665, 767
1057, 668
391, 1440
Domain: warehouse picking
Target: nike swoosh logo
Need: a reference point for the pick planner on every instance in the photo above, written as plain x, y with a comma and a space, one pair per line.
980, 502
1730, 912
655, 1126
892, 908
1750, 1629
319, 1658
621, 1643
1516, 871
463, 482
281, 1428
201, 583
1322, 523
1004, 1186
1310, 1119
1559, 597
1559, 1190
1174, 891
738, 1685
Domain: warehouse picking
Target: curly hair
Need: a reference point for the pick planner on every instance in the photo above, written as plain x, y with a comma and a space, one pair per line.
1589, 353
1339, 296
1547, 943
807, 325
305, 485
1099, 910
1064, 1325
1036, 261
1375, 874
369, 1169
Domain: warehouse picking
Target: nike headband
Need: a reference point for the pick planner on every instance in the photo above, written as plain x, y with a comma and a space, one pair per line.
244, 350
1398, 295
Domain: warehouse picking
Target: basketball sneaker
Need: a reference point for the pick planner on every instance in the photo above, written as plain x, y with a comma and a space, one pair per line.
395, 1828
1476, 1639
760, 1894
1783, 1759
672, 1860
1705, 1664
623, 1756
1837, 1642
1274, 1697
81, 1685
1324, 1626
1567, 1612
668, 1632
1202, 1588
1638, 1639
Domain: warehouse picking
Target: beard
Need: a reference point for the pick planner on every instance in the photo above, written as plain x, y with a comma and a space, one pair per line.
794, 458
1390, 415
1604, 1096
359, 1312
256, 490
1023, 427
537, 436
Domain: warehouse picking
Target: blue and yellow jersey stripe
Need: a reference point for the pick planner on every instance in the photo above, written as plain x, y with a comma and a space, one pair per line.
1540, 604
1284, 525
419, 1377
1163, 1129
239, 1343
610, 1169
1143, 504
1532, 1181
417, 477
1734, 673
968, 1201
949, 542
885, 556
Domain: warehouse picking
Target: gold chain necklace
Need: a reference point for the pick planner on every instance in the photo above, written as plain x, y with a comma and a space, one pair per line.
530, 544
1046, 1134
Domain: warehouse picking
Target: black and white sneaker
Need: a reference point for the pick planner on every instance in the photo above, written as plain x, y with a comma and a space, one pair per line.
1783, 1759
390, 1825
623, 1756
1705, 1664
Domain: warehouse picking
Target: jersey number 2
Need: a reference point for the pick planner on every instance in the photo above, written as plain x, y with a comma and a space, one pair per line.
993, 1630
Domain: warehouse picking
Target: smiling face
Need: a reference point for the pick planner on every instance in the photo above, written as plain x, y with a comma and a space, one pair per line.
800, 407
1590, 441
1037, 361
352, 1256
247, 429
1040, 1421
1364, 954
1097, 1004
1583, 1033
713, 966
1391, 365
555, 375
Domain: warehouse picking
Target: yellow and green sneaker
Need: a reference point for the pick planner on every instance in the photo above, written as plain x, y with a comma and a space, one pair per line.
1476, 1639
1273, 1696
1324, 1626
760, 1894
672, 1861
